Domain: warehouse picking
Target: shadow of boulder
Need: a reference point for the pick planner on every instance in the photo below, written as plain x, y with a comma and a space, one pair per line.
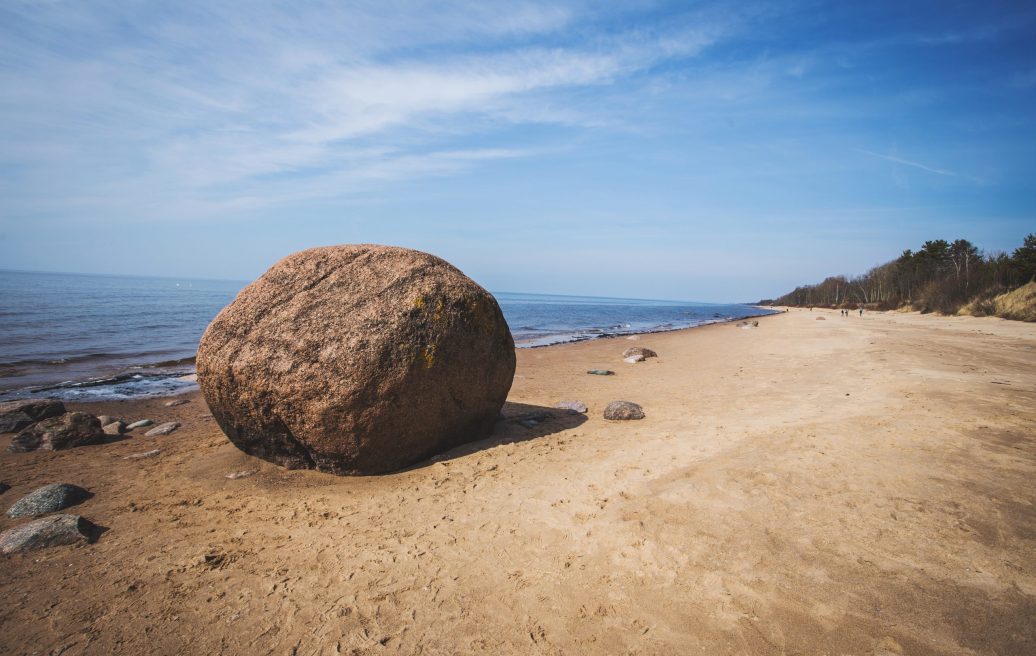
519, 422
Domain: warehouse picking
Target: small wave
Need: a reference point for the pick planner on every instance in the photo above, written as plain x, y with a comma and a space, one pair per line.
123, 386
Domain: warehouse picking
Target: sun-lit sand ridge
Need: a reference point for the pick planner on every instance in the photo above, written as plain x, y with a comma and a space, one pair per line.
855, 485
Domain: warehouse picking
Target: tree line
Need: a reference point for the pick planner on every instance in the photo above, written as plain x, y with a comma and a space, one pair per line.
941, 276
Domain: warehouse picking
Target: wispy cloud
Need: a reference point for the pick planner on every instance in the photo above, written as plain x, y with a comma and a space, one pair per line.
906, 162
217, 101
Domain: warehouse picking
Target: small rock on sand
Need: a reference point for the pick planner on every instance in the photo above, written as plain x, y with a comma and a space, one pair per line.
114, 428
634, 359
241, 474
139, 424
147, 454
48, 532
16, 415
821, 319
163, 429
639, 350
622, 410
48, 499
601, 372
571, 406
176, 402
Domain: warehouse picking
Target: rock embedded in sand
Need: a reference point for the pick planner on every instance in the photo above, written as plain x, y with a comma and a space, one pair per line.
50, 531
139, 424
66, 431
176, 402
19, 414
163, 429
821, 319
600, 372
635, 351
572, 406
623, 410
357, 359
48, 499
634, 359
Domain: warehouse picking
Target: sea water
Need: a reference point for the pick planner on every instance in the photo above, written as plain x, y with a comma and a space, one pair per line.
94, 337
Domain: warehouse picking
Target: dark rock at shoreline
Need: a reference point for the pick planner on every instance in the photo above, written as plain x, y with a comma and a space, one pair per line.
69, 430
623, 410
48, 499
357, 359
50, 531
16, 415
634, 351
163, 429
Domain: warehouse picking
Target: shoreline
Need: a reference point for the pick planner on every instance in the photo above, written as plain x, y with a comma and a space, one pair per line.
146, 371
891, 455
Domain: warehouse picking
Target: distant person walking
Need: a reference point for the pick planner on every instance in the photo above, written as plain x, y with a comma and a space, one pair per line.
861, 312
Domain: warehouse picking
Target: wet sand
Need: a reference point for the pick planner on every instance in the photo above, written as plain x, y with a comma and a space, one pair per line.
846, 486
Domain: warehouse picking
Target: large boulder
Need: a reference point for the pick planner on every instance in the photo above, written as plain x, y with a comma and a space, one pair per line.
357, 359
64, 432
16, 415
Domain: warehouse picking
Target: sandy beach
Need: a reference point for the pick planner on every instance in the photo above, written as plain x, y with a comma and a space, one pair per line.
860, 485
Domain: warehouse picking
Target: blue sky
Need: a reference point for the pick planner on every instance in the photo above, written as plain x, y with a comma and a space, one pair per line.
703, 151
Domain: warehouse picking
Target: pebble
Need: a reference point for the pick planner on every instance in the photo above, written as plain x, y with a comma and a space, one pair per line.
601, 372
114, 428
147, 454
639, 350
48, 532
48, 499
573, 406
163, 429
623, 410
176, 402
140, 424
241, 474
